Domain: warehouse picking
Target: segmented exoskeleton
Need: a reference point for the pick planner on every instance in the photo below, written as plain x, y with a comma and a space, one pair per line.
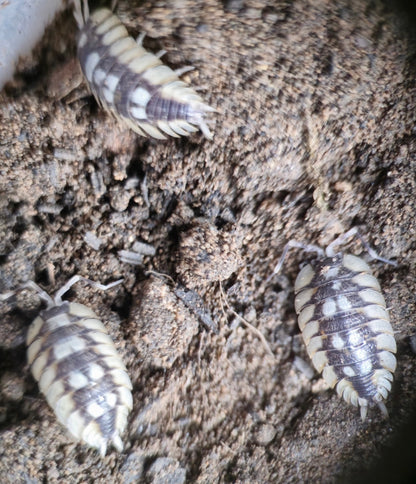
78, 369
133, 83
345, 325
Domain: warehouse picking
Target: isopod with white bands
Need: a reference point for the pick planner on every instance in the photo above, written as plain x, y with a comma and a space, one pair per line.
132, 83
345, 324
78, 369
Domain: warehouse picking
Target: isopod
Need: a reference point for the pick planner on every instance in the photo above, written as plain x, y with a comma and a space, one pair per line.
132, 83
78, 369
345, 324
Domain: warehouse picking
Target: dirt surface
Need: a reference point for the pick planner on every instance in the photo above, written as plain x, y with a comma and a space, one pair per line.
315, 134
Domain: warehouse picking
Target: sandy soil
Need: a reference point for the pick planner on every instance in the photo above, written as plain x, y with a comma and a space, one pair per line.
315, 134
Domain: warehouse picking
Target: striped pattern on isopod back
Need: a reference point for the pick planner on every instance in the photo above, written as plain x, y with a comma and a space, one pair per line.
79, 371
133, 83
346, 328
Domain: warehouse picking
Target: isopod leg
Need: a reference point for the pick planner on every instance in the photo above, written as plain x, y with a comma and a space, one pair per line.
140, 39
183, 70
294, 244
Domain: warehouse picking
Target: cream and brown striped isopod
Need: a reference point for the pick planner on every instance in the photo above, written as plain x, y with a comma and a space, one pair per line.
133, 83
345, 324
78, 369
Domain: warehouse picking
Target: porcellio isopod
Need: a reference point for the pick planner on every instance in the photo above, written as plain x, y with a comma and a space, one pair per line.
78, 369
133, 83
345, 324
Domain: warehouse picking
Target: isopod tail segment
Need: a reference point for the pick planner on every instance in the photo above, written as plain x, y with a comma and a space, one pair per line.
132, 83
345, 324
78, 369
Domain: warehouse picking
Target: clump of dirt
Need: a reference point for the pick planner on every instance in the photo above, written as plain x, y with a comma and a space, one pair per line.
161, 326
